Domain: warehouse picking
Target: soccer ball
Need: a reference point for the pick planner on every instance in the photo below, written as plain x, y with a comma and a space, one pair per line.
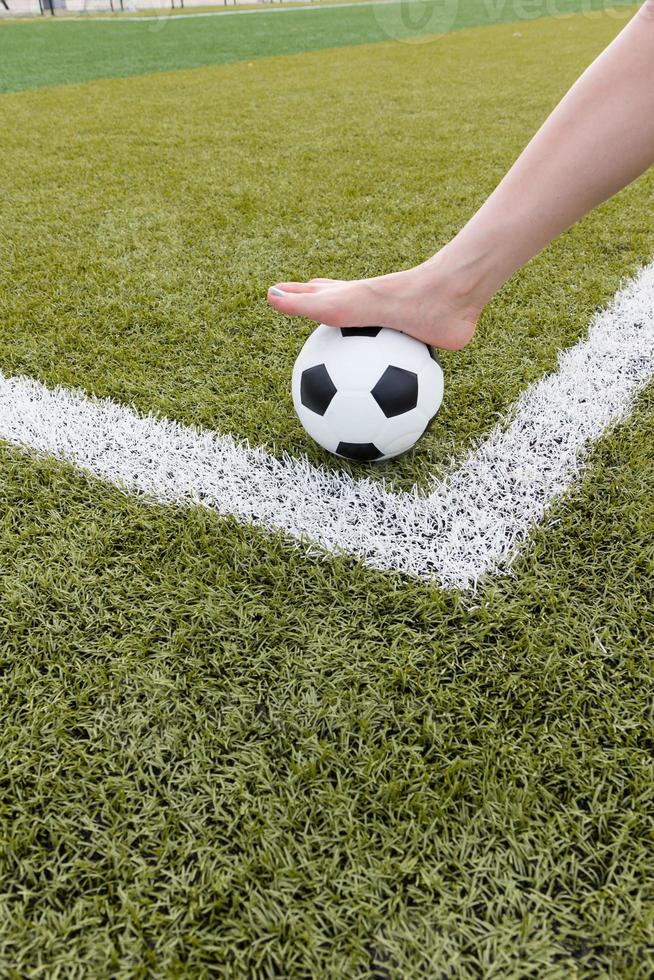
366, 393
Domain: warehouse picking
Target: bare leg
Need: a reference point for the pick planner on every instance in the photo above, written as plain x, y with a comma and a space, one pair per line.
597, 140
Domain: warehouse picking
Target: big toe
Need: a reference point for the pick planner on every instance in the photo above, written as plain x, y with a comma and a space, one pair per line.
324, 306
296, 287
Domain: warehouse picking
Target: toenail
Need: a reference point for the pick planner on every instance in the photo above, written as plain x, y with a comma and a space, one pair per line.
276, 292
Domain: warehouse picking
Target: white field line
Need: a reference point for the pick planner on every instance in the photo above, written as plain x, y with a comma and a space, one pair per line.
155, 18
470, 524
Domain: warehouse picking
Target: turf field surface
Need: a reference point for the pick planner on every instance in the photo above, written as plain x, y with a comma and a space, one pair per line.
153, 212
218, 753
465, 528
222, 757
55, 52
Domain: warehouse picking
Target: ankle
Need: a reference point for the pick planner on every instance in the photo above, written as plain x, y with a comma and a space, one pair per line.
468, 279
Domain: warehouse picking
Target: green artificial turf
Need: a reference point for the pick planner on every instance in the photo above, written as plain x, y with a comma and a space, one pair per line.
152, 214
55, 52
220, 757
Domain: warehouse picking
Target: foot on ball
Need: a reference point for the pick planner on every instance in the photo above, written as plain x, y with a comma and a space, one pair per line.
426, 302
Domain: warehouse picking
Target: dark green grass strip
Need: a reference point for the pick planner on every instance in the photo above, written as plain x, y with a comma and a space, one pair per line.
55, 53
221, 758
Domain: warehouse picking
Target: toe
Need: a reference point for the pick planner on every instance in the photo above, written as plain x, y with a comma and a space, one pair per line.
296, 287
319, 306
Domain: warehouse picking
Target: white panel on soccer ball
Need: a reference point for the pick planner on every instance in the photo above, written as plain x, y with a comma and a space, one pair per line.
354, 363
430, 388
357, 367
399, 434
295, 384
319, 429
403, 351
353, 417
317, 345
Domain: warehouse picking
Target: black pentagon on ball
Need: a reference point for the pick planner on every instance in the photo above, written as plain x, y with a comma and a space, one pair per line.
316, 389
434, 357
361, 451
396, 391
360, 331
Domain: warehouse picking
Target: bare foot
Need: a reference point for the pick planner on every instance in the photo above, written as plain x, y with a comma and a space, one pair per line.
424, 302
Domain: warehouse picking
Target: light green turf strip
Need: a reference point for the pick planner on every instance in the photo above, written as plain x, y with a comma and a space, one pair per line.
221, 758
52, 52
151, 215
